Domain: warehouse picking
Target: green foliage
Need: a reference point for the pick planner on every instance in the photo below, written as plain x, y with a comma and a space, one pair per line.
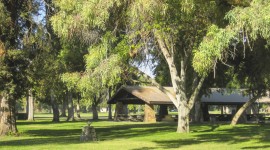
254, 21
247, 24
212, 49
71, 56
5, 20
71, 80
107, 48
13, 73
76, 17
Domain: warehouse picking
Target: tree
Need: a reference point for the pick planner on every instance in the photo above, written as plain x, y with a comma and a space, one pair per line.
107, 52
13, 66
173, 27
253, 74
176, 28
248, 25
15, 18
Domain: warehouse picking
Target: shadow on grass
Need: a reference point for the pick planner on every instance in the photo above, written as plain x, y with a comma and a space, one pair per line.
47, 122
42, 141
201, 133
72, 136
55, 133
234, 135
133, 130
257, 147
145, 148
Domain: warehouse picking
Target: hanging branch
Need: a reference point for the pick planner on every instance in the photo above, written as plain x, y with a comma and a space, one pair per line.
244, 42
251, 48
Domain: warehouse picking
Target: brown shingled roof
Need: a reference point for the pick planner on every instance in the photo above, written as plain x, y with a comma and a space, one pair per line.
137, 94
153, 95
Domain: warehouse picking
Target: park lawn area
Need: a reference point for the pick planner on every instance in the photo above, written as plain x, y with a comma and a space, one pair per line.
43, 134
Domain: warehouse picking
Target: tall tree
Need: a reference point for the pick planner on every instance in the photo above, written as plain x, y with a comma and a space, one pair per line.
174, 28
15, 18
105, 61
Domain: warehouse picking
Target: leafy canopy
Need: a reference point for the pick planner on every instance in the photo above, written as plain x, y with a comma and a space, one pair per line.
246, 25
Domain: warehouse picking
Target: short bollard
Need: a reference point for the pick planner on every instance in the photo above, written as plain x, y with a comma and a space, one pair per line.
88, 133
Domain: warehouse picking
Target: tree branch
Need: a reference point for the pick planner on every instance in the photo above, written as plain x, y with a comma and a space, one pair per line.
195, 93
178, 84
242, 109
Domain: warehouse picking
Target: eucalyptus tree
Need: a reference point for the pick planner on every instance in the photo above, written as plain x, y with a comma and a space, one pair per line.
248, 25
176, 28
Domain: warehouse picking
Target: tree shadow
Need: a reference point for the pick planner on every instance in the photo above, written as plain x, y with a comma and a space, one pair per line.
42, 141
200, 133
133, 130
54, 133
144, 148
72, 136
231, 136
257, 147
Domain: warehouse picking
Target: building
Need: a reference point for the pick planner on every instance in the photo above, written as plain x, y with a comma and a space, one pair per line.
226, 101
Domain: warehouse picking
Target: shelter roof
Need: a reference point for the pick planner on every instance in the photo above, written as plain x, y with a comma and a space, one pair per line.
153, 95
223, 96
141, 95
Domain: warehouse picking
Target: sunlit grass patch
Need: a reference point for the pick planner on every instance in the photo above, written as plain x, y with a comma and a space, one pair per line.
43, 134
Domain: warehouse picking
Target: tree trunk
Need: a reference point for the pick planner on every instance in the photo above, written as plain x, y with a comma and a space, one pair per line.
78, 109
183, 119
178, 79
27, 104
242, 109
110, 111
8, 116
95, 112
30, 106
109, 106
70, 108
64, 107
54, 108
0, 109
243, 117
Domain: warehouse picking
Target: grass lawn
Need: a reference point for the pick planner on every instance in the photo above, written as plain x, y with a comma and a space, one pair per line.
42, 134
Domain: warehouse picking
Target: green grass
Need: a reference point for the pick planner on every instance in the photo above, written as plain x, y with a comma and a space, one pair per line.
42, 134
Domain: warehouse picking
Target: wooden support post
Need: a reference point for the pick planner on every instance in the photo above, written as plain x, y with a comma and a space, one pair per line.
125, 110
163, 111
149, 113
205, 112
222, 109
198, 117
118, 110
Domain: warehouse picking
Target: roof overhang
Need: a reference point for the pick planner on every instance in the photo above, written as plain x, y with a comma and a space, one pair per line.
153, 95
141, 95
